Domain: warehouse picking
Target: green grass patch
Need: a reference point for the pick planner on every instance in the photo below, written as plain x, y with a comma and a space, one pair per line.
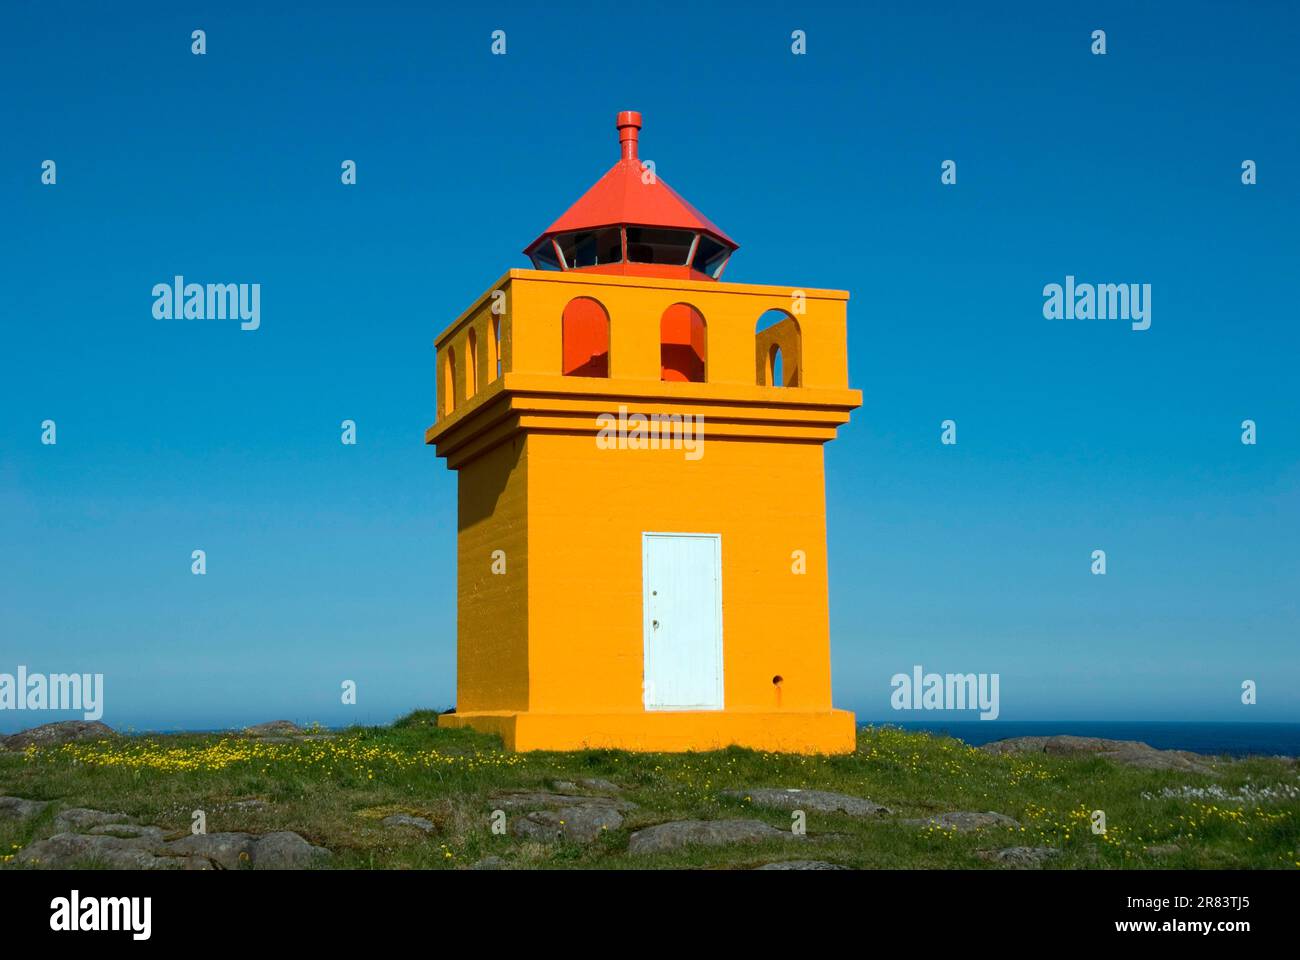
336, 790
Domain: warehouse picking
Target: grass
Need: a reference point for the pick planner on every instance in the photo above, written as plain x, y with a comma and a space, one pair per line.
336, 790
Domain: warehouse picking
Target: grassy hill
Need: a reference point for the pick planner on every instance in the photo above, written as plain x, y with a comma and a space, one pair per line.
336, 789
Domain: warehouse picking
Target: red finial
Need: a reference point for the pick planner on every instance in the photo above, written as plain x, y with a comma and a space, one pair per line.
629, 128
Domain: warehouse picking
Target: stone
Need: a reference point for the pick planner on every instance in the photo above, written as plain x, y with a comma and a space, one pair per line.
1164, 850
16, 808
964, 821
593, 784
581, 824
785, 798
127, 846
1019, 856
599, 785
64, 850
531, 800
286, 850
274, 728
802, 865
81, 819
253, 803
403, 820
680, 833
1132, 753
127, 831
230, 851
54, 734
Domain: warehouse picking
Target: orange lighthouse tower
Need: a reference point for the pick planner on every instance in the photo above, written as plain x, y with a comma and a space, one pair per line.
641, 551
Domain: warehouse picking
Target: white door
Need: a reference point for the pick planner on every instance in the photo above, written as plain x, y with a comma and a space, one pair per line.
682, 602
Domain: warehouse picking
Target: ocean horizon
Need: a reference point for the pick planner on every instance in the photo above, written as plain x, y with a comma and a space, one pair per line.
1213, 738
1231, 738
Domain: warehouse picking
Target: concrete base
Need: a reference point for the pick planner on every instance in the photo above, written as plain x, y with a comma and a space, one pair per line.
823, 731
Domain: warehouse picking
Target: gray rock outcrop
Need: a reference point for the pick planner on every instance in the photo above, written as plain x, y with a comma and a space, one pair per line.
802, 865
16, 808
1019, 856
1131, 753
680, 833
964, 821
822, 801
581, 824
54, 734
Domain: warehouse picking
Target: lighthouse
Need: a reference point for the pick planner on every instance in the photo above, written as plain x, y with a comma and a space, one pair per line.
641, 536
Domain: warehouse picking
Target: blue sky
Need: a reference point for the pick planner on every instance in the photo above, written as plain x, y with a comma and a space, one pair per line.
329, 562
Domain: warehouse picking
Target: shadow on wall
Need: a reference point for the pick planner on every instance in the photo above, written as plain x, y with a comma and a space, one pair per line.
480, 502
778, 350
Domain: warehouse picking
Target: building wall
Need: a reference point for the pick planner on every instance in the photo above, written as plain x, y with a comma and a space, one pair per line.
481, 319
561, 632
492, 609
531, 339
636, 304
587, 510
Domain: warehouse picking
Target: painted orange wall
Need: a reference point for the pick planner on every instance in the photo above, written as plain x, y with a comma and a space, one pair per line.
587, 509
551, 654
492, 608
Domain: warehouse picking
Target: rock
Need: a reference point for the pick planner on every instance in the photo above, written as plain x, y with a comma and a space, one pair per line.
1164, 850
490, 863
286, 850
594, 784
581, 824
127, 831
531, 800
964, 821
253, 803
274, 728
81, 819
16, 808
127, 846
228, 850
802, 865
53, 734
64, 850
1132, 753
1019, 856
402, 820
781, 798
680, 833
599, 785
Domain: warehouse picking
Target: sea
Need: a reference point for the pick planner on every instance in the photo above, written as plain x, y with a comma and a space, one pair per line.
1231, 739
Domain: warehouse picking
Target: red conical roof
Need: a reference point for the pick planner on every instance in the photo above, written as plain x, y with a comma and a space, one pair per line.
619, 197
631, 196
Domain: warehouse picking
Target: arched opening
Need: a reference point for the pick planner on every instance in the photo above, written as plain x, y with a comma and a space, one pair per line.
449, 381
683, 344
471, 363
586, 339
778, 350
494, 348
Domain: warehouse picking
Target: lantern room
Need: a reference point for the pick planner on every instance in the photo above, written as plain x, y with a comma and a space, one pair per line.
631, 223
641, 517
